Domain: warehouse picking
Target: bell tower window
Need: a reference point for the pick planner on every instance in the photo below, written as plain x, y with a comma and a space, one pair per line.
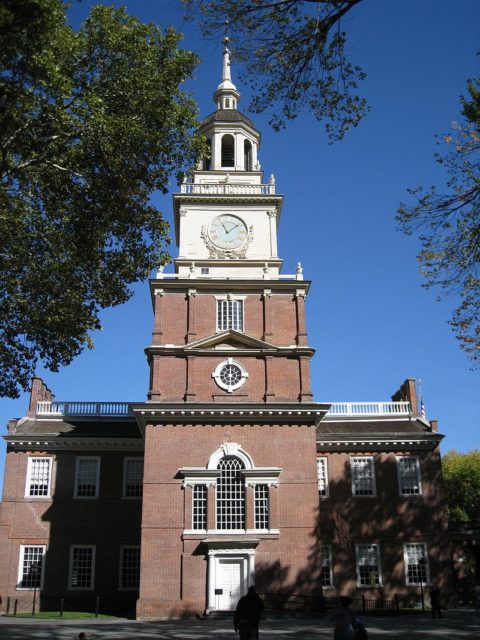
228, 151
247, 155
207, 160
230, 495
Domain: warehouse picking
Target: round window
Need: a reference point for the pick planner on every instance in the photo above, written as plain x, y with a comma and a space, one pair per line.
230, 375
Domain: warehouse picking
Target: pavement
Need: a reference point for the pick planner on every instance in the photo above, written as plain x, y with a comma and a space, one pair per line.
457, 624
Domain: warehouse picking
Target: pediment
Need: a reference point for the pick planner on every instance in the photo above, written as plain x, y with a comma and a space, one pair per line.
230, 341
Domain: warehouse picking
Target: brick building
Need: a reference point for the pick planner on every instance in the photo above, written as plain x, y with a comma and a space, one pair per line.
230, 473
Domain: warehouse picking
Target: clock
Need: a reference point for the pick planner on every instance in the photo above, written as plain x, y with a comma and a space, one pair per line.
228, 232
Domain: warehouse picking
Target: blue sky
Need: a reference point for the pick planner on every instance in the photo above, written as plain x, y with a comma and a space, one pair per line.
368, 317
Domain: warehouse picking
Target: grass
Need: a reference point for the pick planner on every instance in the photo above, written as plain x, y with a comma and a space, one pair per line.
67, 615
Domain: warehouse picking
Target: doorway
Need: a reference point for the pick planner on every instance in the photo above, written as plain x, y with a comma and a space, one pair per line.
229, 583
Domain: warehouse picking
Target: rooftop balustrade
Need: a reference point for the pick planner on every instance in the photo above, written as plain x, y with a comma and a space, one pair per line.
226, 189
123, 409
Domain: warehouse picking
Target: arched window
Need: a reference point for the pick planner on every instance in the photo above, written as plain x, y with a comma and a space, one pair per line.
228, 151
230, 494
207, 160
247, 155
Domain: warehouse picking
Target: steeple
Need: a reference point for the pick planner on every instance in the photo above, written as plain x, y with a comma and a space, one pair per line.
226, 96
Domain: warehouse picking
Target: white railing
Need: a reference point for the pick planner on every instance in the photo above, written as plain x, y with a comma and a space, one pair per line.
346, 409
111, 409
122, 409
161, 275
226, 189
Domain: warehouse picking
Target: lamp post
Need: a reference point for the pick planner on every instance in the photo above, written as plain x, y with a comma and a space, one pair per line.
36, 571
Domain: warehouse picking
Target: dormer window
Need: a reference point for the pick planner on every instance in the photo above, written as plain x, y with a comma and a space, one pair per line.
228, 151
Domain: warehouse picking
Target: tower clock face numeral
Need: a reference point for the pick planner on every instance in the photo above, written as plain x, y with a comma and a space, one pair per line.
228, 232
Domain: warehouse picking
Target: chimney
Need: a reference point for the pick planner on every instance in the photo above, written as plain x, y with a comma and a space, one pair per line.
408, 392
434, 426
38, 392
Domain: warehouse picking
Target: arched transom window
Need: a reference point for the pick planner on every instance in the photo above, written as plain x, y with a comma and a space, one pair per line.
230, 495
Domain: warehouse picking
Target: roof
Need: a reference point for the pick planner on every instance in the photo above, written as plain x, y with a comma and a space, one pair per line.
76, 428
364, 427
226, 115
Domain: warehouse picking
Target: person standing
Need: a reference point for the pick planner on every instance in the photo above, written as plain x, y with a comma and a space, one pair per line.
247, 615
345, 620
435, 602
476, 598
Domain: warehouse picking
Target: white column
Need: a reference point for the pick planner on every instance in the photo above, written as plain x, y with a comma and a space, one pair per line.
251, 568
211, 582
238, 151
272, 215
216, 151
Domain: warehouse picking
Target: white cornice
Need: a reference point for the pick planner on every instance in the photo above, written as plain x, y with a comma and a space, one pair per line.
60, 441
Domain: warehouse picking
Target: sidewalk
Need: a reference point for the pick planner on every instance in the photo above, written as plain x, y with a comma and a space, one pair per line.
458, 624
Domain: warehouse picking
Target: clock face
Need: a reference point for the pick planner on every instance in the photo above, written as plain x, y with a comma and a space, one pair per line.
227, 231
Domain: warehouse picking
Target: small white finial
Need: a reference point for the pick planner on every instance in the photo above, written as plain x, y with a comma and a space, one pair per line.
272, 179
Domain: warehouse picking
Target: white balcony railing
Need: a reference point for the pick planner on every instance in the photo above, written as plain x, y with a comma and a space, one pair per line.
226, 189
122, 409
107, 409
347, 409
161, 275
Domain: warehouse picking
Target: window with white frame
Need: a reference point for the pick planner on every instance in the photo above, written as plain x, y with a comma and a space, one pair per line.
39, 477
409, 480
261, 506
230, 496
129, 567
368, 565
199, 507
417, 570
326, 575
363, 476
322, 475
133, 477
229, 315
30, 567
82, 567
87, 475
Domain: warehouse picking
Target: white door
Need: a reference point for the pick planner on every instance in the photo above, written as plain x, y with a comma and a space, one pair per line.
229, 584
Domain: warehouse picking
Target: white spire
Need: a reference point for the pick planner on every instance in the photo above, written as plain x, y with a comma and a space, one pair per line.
226, 96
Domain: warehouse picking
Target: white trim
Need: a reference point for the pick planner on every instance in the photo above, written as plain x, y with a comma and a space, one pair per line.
427, 563
70, 567
418, 476
28, 480
374, 484
379, 565
323, 461
20, 566
230, 387
230, 449
97, 478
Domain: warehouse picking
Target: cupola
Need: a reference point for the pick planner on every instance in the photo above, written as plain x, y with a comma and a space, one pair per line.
231, 136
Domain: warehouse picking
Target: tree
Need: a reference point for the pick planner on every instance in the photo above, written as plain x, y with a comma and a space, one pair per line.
91, 123
292, 53
449, 225
461, 473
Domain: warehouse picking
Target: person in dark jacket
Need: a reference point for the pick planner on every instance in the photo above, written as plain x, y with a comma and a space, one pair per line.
247, 615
